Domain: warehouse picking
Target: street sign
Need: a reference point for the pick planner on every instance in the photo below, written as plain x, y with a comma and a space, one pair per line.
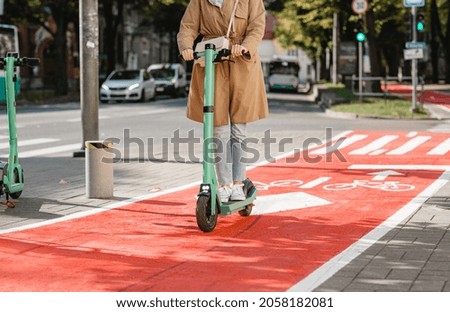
415, 45
413, 54
360, 6
414, 3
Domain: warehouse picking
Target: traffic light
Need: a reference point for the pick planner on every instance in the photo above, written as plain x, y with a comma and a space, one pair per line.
360, 34
420, 22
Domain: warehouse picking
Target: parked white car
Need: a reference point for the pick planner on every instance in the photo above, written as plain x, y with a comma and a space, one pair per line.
170, 79
128, 85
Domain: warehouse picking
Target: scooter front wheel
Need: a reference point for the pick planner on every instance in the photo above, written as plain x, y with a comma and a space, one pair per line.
205, 220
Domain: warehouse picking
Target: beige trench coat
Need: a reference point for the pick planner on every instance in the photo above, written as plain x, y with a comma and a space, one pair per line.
240, 93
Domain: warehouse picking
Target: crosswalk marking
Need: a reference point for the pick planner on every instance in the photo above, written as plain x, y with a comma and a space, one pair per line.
356, 144
4, 146
441, 149
375, 145
30, 142
378, 145
346, 141
409, 146
48, 150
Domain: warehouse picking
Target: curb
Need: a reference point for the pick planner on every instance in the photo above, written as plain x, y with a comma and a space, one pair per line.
335, 114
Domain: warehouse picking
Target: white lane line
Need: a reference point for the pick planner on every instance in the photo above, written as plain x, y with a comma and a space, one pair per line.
401, 167
30, 142
6, 127
323, 273
48, 151
78, 119
121, 115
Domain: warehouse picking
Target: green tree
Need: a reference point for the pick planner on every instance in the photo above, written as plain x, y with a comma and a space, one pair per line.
166, 16
35, 12
112, 23
308, 25
440, 39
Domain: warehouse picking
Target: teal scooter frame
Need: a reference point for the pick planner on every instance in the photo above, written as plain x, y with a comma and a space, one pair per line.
208, 202
11, 172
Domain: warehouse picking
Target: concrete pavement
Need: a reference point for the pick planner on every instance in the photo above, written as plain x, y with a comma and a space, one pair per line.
411, 257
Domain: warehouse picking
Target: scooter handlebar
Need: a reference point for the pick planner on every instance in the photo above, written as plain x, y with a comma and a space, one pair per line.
24, 61
220, 55
27, 61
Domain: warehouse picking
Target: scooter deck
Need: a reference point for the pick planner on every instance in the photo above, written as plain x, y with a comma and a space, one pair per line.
234, 206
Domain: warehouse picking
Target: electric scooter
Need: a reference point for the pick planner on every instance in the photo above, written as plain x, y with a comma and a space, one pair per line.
11, 172
209, 205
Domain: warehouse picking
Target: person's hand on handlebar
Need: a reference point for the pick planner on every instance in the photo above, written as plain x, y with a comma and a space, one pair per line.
188, 54
238, 50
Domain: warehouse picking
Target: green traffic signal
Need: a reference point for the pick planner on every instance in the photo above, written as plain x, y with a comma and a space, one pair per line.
420, 26
420, 23
360, 36
359, 30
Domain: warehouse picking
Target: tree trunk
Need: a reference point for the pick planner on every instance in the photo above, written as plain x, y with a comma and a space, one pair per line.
109, 36
434, 44
375, 63
61, 81
447, 46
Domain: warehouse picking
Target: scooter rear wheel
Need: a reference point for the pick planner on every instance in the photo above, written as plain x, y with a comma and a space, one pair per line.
248, 188
16, 180
205, 221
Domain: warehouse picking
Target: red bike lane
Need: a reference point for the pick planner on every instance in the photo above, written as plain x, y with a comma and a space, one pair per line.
306, 213
428, 96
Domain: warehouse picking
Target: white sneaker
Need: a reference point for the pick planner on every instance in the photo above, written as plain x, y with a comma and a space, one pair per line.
237, 192
224, 194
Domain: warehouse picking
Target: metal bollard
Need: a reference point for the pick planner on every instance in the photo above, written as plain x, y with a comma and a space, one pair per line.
99, 169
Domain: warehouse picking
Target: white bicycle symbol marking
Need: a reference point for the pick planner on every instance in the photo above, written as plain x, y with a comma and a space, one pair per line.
280, 183
390, 186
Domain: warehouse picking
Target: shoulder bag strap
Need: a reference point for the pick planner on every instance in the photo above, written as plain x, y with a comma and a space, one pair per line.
232, 19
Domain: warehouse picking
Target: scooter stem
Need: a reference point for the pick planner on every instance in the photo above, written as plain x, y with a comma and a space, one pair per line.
11, 108
209, 176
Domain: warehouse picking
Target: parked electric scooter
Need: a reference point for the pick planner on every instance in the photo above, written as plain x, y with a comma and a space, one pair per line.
209, 205
11, 172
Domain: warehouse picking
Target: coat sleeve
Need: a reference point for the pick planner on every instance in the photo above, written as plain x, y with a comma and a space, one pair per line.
256, 25
189, 26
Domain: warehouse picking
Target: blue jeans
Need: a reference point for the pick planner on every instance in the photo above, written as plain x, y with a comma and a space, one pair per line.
229, 153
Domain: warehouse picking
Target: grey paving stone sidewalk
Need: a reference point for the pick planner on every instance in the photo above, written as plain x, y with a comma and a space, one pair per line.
414, 256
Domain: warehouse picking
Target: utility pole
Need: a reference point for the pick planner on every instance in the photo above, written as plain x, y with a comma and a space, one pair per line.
414, 49
414, 61
89, 93
360, 7
335, 44
360, 67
